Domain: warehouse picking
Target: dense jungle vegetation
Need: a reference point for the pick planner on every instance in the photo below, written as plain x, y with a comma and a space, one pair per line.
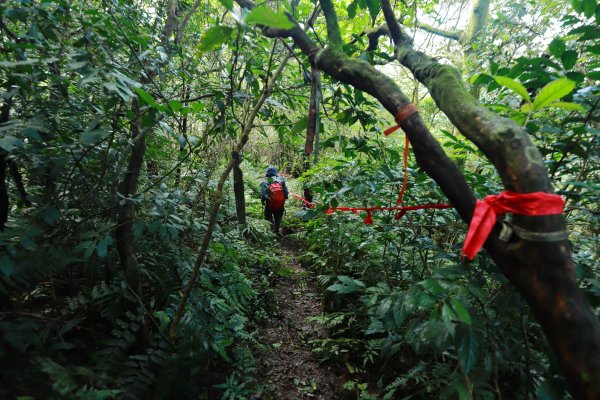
135, 261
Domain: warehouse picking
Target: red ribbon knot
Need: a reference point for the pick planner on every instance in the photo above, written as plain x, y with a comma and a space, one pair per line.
487, 211
401, 116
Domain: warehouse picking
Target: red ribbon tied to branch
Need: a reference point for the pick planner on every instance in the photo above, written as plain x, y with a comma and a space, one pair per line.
494, 206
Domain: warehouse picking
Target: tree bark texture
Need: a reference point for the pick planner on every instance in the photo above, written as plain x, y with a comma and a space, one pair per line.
4, 199
541, 271
311, 121
126, 211
238, 189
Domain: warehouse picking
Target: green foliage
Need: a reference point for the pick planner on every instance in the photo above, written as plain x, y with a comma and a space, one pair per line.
86, 82
263, 15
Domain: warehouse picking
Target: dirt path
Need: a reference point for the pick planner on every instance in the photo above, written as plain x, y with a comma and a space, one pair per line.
288, 369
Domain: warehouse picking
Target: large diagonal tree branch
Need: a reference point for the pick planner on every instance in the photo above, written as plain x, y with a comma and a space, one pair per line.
541, 271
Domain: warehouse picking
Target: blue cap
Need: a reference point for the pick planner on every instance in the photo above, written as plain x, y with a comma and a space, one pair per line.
271, 171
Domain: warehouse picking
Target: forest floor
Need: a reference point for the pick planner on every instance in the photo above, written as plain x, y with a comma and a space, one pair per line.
288, 368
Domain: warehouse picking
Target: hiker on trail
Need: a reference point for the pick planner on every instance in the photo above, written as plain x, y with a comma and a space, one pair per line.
273, 194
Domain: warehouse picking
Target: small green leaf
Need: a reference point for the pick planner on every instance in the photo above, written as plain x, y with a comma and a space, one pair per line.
461, 311
467, 350
568, 59
553, 91
182, 141
102, 247
214, 37
352, 9
145, 96
93, 136
6, 266
263, 15
228, 4
557, 47
595, 75
373, 6
514, 86
175, 105
432, 286
567, 106
300, 126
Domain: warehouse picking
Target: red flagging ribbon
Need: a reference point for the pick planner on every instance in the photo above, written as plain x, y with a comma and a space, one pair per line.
302, 199
487, 211
401, 116
401, 210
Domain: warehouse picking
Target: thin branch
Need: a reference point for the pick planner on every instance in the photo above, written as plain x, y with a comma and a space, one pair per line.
333, 28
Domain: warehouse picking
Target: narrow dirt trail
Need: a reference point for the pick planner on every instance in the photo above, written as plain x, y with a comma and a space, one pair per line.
288, 369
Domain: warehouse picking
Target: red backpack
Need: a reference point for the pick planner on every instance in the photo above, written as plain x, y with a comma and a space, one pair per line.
275, 196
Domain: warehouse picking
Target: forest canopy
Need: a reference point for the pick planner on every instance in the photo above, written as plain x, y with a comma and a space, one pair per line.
440, 238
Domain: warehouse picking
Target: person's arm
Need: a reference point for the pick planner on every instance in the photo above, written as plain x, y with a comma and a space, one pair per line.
286, 193
263, 191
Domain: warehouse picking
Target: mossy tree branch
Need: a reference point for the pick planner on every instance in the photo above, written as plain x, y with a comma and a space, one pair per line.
542, 271
333, 28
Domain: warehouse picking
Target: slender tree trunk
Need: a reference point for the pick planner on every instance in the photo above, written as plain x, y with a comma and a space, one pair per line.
4, 200
126, 211
238, 189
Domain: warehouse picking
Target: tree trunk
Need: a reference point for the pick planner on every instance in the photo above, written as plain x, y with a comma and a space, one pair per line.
238, 189
4, 200
126, 211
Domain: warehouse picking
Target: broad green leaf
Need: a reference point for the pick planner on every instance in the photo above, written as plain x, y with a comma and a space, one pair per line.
557, 47
514, 86
228, 4
300, 126
526, 107
214, 37
352, 9
461, 311
102, 247
589, 7
553, 91
567, 106
93, 136
577, 5
467, 350
595, 75
568, 59
263, 15
182, 141
6, 266
373, 6
147, 97
175, 105
432, 286
8, 143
